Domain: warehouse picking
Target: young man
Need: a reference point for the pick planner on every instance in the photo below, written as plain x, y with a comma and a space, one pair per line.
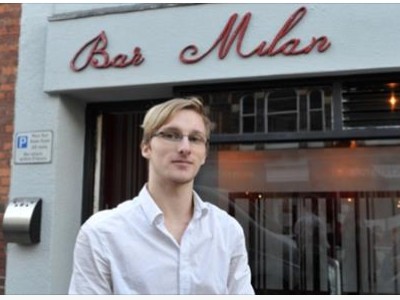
166, 240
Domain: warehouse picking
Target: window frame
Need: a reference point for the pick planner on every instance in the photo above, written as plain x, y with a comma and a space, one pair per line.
338, 130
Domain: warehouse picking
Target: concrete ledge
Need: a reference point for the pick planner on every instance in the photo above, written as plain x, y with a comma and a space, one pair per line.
114, 10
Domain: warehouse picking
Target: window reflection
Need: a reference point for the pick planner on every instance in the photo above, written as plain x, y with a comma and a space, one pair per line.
322, 217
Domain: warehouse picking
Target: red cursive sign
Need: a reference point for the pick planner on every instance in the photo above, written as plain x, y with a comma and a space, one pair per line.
94, 53
190, 54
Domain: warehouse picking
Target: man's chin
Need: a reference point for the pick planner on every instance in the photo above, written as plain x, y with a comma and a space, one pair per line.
182, 179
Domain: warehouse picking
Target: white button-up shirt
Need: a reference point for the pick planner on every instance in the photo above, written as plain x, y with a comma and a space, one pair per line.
128, 250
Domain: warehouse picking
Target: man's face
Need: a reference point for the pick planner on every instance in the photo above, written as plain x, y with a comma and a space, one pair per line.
178, 149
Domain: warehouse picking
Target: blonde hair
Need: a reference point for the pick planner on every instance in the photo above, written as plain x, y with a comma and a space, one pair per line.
159, 114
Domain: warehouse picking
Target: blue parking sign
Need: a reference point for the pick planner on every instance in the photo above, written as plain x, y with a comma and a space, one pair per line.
22, 142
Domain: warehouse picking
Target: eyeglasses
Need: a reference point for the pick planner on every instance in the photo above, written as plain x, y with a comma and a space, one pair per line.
176, 136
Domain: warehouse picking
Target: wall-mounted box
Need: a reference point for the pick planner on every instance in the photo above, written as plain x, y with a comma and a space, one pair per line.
22, 220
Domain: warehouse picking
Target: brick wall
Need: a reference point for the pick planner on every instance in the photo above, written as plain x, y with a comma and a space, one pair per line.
9, 36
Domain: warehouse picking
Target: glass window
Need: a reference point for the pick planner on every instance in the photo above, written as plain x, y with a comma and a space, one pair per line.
282, 112
224, 109
315, 112
248, 105
322, 218
282, 101
282, 123
270, 110
316, 121
316, 99
248, 125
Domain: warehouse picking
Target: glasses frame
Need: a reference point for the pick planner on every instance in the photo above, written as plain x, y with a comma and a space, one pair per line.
175, 136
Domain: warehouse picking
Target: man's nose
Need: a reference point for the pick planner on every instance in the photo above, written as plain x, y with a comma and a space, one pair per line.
184, 145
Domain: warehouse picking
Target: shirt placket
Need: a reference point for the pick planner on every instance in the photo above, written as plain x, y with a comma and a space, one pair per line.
185, 269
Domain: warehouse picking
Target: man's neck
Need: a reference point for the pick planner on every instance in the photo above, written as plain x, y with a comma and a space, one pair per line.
176, 203
174, 200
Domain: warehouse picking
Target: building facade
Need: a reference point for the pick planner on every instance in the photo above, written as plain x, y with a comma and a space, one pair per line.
304, 149
9, 34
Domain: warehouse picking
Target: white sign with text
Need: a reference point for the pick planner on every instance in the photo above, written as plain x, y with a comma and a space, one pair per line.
33, 147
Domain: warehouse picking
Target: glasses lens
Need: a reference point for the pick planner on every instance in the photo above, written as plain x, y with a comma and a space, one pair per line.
177, 136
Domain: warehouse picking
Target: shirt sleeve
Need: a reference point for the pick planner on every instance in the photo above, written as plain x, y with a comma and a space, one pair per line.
91, 272
239, 280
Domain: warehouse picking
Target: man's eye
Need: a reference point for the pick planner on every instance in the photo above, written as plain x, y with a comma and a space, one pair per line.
196, 139
172, 135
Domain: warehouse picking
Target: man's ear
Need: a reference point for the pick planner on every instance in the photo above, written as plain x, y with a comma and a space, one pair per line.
145, 149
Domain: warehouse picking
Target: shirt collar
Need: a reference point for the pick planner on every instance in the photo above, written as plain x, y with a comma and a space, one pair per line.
153, 212
200, 207
150, 208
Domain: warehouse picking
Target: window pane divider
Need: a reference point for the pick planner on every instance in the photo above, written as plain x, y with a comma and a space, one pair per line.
305, 136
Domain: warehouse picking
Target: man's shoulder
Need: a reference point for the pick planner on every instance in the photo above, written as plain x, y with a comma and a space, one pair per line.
214, 209
110, 217
222, 216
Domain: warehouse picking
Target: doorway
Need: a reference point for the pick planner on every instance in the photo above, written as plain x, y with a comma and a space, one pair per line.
115, 170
